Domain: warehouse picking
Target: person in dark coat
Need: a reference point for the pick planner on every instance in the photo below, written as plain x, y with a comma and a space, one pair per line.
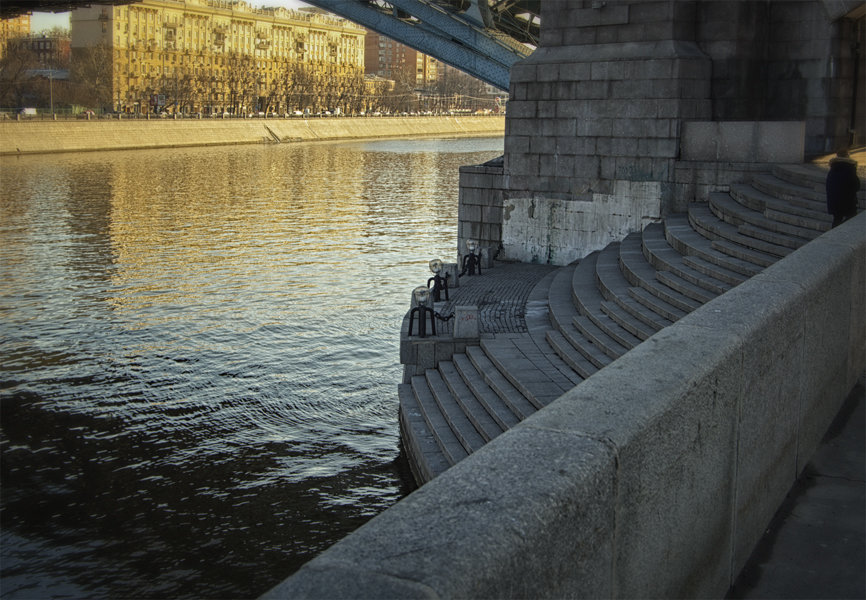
842, 186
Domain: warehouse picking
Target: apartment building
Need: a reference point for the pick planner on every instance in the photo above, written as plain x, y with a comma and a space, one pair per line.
221, 56
386, 58
13, 28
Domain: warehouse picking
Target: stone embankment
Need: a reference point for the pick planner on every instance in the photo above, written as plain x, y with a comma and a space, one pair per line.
714, 350
36, 137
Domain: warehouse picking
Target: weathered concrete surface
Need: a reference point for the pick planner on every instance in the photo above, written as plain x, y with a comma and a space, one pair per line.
655, 477
29, 137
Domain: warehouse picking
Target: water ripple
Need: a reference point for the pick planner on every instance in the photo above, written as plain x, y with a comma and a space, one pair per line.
199, 357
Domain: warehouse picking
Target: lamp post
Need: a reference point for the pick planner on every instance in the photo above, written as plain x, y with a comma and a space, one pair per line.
440, 283
471, 261
421, 294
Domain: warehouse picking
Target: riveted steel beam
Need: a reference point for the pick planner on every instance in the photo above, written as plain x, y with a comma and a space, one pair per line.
435, 32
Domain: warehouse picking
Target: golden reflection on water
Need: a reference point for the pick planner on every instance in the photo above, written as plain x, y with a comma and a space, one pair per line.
180, 230
201, 344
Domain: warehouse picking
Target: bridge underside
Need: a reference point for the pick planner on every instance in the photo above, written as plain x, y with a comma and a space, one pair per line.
480, 37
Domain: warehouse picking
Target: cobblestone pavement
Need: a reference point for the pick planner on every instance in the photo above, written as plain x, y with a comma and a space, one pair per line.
500, 294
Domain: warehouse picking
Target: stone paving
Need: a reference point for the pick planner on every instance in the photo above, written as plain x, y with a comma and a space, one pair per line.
501, 294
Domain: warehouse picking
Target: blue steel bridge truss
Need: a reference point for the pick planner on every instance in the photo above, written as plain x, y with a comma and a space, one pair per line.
480, 37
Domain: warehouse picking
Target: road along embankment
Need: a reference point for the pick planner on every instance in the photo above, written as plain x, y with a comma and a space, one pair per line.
37, 137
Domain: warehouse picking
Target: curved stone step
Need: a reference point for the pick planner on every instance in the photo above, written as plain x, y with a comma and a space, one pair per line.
813, 177
707, 224
537, 312
729, 210
615, 288
735, 250
593, 353
495, 406
812, 214
597, 336
436, 422
790, 193
686, 288
627, 321
588, 298
656, 304
807, 176
516, 401
477, 413
562, 312
571, 356
732, 278
425, 456
642, 274
687, 241
528, 368
561, 301
661, 255
771, 237
458, 420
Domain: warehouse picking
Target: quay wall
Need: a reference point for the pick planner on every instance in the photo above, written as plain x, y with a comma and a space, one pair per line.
34, 137
655, 477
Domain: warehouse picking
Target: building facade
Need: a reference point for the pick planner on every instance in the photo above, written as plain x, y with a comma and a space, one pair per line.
219, 56
11, 29
392, 60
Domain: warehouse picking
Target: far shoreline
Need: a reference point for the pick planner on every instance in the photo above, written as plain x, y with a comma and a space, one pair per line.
27, 137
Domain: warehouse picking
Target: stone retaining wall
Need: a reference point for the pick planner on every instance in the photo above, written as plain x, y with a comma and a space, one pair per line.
29, 137
653, 478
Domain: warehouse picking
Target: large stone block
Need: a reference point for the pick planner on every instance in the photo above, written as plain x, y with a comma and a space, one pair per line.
557, 486
824, 270
765, 319
674, 435
743, 141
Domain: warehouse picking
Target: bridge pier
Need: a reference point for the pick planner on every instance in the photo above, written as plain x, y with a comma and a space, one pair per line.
599, 138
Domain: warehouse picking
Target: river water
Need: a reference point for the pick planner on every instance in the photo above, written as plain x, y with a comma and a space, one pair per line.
199, 357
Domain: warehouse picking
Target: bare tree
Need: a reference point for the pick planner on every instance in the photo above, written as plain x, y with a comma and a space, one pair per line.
15, 83
91, 73
240, 79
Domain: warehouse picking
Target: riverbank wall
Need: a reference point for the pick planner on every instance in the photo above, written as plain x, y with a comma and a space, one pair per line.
598, 495
39, 137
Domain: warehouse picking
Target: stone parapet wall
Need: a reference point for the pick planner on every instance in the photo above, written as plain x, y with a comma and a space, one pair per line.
655, 477
32, 137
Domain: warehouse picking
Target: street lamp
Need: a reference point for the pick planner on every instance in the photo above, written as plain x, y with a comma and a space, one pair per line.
471, 261
440, 283
421, 294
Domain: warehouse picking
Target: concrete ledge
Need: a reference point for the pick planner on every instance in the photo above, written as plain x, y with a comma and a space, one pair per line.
653, 478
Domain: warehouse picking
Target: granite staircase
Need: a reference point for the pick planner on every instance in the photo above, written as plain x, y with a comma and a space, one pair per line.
601, 307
